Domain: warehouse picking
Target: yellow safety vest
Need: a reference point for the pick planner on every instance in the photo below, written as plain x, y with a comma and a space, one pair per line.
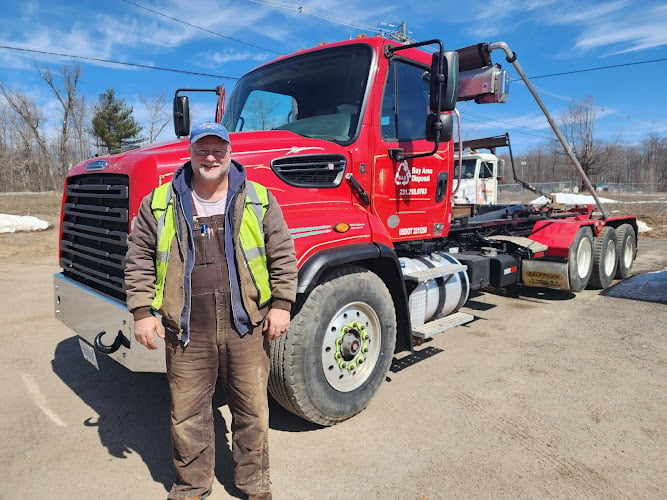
251, 237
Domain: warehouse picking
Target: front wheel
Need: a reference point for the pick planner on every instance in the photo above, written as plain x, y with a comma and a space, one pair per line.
338, 349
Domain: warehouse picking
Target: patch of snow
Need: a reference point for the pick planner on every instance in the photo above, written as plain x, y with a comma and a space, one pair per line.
13, 223
642, 227
570, 199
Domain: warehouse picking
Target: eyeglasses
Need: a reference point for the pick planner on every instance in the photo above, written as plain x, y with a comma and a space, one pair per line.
218, 153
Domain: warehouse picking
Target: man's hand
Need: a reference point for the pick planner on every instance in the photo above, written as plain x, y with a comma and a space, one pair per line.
276, 323
145, 330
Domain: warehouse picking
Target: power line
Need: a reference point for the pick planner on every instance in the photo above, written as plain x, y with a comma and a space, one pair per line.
326, 17
518, 128
304, 10
595, 69
590, 105
157, 13
147, 66
120, 63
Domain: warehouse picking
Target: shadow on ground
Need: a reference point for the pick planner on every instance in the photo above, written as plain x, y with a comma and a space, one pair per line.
133, 413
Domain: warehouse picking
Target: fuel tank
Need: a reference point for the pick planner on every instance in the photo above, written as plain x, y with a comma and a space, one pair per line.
441, 295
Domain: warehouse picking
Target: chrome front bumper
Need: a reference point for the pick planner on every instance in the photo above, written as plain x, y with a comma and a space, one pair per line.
93, 315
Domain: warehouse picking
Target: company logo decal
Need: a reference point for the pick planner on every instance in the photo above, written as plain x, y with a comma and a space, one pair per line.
402, 177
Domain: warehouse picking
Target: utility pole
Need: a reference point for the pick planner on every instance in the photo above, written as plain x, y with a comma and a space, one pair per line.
401, 35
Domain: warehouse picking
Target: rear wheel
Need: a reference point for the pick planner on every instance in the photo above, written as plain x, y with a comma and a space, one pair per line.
580, 259
340, 345
604, 259
626, 250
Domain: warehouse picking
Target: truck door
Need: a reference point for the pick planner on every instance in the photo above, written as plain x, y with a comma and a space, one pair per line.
487, 187
411, 197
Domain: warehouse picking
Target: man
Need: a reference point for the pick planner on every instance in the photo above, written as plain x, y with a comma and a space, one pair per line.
211, 252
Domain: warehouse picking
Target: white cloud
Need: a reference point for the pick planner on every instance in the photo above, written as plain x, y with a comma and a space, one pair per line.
628, 35
582, 12
214, 59
17, 61
29, 9
119, 33
47, 42
498, 10
502, 16
619, 26
229, 22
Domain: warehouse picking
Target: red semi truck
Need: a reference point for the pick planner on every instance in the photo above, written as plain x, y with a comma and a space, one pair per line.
355, 140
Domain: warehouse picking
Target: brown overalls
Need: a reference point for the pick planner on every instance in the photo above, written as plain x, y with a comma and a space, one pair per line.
216, 349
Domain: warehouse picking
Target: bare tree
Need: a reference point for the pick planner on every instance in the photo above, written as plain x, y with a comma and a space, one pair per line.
654, 161
64, 87
260, 112
7, 170
579, 130
81, 139
159, 115
31, 136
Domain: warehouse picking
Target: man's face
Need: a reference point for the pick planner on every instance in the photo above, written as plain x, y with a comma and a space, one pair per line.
211, 157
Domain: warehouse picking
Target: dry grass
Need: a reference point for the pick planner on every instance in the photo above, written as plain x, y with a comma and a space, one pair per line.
45, 206
650, 209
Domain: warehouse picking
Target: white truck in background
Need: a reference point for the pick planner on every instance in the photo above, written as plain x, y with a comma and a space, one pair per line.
477, 173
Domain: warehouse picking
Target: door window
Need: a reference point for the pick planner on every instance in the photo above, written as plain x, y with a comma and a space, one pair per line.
405, 103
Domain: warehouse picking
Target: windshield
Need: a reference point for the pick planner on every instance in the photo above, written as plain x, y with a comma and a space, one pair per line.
318, 94
468, 168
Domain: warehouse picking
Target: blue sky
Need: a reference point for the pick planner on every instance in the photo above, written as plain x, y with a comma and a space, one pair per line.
229, 37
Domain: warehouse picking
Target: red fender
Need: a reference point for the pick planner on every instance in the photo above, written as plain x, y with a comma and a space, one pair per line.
559, 234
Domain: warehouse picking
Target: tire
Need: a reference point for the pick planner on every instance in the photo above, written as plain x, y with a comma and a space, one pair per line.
580, 259
338, 349
626, 250
604, 259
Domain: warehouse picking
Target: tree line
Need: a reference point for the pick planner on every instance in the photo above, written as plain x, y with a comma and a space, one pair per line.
610, 162
33, 158
36, 157
641, 167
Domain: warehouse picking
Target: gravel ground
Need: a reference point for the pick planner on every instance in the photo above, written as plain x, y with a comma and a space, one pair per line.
544, 395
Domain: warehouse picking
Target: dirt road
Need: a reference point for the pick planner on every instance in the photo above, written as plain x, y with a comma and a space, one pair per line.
542, 396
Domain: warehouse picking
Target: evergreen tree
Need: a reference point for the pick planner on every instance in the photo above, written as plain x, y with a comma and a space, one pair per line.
113, 123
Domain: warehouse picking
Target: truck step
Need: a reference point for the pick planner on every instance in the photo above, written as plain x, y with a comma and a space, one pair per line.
522, 241
427, 330
434, 272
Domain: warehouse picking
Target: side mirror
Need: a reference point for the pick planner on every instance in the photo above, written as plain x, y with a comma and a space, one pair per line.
181, 116
439, 127
444, 81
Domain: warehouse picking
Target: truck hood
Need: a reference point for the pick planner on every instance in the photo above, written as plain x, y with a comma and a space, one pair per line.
290, 154
255, 150
174, 150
